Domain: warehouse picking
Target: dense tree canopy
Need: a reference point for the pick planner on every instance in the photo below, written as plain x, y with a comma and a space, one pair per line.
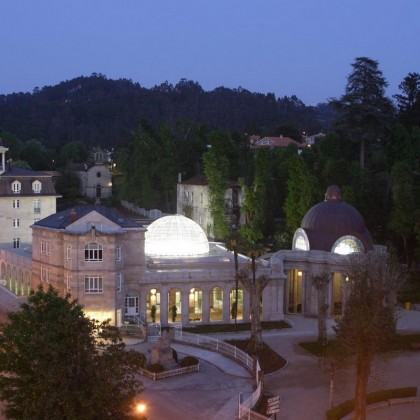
55, 363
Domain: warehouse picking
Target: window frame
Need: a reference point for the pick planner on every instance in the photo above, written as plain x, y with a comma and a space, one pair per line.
90, 282
16, 187
118, 253
16, 223
93, 252
36, 187
16, 203
118, 282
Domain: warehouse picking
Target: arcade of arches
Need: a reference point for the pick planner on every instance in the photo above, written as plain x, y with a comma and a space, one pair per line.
193, 305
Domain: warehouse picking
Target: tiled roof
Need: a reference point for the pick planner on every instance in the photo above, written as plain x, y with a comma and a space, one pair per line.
66, 217
26, 177
274, 142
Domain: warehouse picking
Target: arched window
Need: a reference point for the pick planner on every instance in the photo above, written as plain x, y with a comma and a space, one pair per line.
300, 240
347, 245
16, 187
36, 187
93, 252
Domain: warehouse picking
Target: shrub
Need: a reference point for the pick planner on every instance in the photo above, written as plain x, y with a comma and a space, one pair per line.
189, 361
155, 368
347, 407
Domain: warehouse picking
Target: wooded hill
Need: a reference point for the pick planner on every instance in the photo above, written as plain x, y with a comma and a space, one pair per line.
100, 111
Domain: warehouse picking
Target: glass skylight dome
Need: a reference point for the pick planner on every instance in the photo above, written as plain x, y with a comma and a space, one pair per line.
175, 236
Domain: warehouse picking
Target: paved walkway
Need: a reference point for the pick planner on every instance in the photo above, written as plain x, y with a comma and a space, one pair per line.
213, 392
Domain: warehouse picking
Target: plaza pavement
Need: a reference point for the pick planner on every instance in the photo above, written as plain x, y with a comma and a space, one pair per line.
212, 393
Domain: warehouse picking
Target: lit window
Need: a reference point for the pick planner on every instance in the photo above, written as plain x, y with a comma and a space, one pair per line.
16, 204
347, 245
68, 252
118, 282
36, 187
42, 247
16, 223
37, 206
16, 187
300, 243
16, 242
300, 240
118, 252
93, 252
93, 284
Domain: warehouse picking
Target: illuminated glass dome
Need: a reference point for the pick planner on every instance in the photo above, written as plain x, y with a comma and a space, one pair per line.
175, 236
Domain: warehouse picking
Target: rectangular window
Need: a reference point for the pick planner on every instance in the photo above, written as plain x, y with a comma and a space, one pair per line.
42, 247
118, 282
47, 248
16, 204
16, 223
93, 252
68, 282
68, 253
93, 284
16, 242
16, 187
42, 273
37, 206
118, 252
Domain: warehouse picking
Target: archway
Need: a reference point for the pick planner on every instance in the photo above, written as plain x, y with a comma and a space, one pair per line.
195, 305
216, 304
239, 306
174, 305
153, 305
295, 291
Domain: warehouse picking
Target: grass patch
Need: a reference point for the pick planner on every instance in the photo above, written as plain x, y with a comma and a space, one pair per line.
401, 343
246, 326
347, 407
270, 361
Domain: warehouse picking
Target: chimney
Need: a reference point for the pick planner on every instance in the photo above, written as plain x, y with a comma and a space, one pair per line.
73, 215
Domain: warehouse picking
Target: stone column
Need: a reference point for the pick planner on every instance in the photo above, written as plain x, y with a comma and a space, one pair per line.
226, 304
206, 306
164, 306
185, 296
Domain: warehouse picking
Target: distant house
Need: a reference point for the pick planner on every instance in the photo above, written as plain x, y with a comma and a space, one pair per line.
193, 201
26, 196
256, 142
95, 175
313, 139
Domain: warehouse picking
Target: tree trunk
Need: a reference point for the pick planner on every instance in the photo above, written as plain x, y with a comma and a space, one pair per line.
322, 314
362, 378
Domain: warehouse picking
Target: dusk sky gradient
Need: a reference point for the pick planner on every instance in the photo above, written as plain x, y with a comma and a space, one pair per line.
288, 47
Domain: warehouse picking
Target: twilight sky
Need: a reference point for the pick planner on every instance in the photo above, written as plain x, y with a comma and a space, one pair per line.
300, 47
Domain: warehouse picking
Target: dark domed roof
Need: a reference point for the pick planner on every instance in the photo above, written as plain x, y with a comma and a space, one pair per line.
332, 219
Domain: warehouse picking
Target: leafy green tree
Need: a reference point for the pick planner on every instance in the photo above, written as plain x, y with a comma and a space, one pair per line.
404, 210
302, 193
408, 102
364, 110
38, 157
12, 143
368, 324
216, 170
56, 363
73, 151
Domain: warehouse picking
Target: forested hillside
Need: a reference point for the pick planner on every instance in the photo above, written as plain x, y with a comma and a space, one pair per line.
100, 111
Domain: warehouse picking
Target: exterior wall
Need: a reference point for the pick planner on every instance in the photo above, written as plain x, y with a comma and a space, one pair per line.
26, 213
66, 259
90, 181
15, 271
193, 202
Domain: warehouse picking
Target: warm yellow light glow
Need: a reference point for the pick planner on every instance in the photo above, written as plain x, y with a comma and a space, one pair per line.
300, 273
153, 291
141, 407
100, 315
